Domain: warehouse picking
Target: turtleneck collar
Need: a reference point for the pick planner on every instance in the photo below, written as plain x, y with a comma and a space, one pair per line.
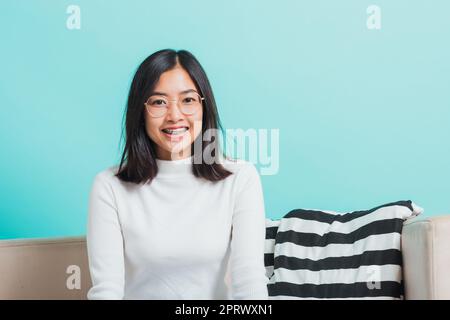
173, 168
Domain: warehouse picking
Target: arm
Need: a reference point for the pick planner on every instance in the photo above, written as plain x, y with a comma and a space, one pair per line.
248, 275
104, 243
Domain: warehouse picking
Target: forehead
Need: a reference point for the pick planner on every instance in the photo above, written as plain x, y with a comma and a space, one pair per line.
174, 81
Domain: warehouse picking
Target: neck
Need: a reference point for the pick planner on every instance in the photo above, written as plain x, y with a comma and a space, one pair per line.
164, 155
174, 168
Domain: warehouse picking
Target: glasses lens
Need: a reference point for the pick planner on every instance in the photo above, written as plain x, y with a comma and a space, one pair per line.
190, 103
157, 106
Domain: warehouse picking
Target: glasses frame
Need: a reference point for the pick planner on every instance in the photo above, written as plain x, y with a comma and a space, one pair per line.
167, 107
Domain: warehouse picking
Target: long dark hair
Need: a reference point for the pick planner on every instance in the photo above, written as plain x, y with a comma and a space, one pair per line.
138, 162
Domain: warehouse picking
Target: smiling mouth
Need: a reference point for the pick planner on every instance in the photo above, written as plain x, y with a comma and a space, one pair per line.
175, 132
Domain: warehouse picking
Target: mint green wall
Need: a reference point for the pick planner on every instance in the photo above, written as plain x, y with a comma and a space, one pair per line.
363, 114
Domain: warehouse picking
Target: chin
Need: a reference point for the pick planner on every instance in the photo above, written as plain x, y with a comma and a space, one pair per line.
176, 147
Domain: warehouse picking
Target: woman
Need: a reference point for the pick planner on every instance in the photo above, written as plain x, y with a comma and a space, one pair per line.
173, 220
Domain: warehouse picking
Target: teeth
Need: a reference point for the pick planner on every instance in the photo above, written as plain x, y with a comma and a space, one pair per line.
176, 131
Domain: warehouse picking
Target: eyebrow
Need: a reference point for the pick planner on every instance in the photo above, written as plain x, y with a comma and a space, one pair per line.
166, 95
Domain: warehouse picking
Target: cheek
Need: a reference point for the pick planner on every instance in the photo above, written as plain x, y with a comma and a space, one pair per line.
151, 126
196, 125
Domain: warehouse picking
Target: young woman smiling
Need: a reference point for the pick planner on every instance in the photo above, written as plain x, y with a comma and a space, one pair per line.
165, 223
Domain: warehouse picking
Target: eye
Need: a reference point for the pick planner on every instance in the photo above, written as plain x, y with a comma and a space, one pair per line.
157, 102
189, 100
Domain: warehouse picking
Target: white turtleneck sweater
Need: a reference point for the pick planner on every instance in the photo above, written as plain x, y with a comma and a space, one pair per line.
179, 237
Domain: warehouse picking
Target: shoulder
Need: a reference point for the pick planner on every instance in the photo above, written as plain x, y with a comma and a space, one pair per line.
106, 176
247, 182
237, 165
242, 169
107, 173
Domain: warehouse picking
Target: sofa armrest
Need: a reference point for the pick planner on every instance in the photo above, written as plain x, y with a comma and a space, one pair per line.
38, 268
426, 258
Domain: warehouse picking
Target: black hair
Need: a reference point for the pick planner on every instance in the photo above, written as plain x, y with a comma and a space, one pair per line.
138, 161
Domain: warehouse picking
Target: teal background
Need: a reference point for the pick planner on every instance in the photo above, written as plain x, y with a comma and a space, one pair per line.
363, 114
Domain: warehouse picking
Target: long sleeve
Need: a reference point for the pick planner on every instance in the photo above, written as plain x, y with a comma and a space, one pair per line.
104, 243
248, 277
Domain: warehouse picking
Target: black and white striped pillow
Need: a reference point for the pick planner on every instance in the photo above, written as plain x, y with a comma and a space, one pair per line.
271, 232
313, 254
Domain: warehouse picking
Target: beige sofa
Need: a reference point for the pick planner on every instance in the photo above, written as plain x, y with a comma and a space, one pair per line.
58, 268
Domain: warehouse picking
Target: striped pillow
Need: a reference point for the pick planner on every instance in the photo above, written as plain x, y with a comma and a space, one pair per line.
271, 232
312, 254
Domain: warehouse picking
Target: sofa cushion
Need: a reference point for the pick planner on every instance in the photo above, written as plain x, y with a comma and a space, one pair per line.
319, 254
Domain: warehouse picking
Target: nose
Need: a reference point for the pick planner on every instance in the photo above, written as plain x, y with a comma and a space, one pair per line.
173, 112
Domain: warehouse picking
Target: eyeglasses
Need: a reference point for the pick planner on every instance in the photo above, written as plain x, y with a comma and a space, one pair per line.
188, 103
